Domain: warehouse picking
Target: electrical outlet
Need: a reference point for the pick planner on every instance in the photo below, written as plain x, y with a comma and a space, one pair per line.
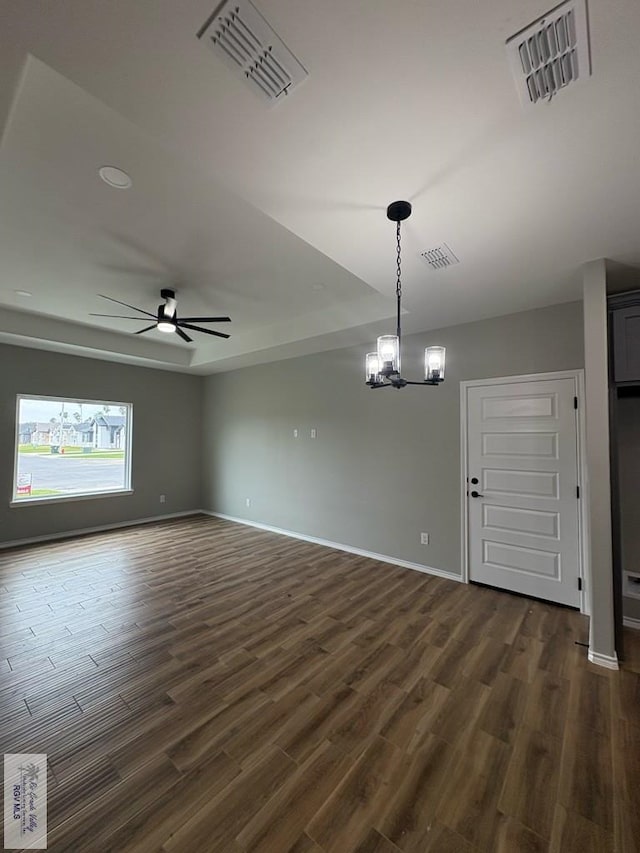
163, 499
295, 433
424, 538
247, 501
314, 433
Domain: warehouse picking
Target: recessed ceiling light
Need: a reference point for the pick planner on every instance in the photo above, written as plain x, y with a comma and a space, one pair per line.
115, 177
25, 293
318, 287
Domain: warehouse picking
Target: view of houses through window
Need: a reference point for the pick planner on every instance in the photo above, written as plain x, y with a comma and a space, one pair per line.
67, 447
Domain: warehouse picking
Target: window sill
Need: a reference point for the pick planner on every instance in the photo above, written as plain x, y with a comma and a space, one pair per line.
54, 499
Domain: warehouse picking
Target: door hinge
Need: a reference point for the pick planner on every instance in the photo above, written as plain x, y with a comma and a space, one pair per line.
575, 402
578, 492
580, 584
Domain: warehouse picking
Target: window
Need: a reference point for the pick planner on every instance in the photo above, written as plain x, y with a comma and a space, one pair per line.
69, 449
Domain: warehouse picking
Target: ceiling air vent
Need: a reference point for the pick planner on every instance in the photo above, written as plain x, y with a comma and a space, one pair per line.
551, 53
240, 35
439, 257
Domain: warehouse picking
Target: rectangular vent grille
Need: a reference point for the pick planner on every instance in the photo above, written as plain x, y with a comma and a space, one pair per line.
439, 257
551, 53
240, 35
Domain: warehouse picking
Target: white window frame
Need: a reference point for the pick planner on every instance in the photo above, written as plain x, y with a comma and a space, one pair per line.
76, 496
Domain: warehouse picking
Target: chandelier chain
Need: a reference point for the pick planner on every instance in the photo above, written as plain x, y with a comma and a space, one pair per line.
398, 279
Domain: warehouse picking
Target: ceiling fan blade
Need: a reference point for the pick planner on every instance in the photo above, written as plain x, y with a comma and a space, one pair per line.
133, 307
205, 319
200, 329
148, 329
115, 316
184, 336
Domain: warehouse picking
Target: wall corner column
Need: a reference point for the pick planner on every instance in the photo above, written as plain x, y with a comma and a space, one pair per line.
598, 487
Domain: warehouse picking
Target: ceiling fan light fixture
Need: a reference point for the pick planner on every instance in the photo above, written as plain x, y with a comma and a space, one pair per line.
166, 312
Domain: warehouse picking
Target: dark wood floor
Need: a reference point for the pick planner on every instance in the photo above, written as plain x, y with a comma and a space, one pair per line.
203, 686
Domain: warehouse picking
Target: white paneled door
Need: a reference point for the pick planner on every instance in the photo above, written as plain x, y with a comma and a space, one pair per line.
522, 489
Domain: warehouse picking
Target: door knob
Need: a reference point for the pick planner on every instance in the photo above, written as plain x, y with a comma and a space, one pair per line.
475, 494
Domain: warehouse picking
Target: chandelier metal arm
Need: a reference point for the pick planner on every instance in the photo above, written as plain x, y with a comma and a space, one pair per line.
398, 381
392, 381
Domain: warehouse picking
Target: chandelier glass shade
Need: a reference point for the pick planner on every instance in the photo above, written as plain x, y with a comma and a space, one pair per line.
383, 367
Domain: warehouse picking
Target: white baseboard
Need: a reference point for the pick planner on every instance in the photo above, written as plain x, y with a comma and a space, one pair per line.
350, 549
630, 622
608, 661
82, 531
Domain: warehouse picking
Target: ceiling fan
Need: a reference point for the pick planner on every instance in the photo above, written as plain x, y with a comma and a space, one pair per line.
167, 319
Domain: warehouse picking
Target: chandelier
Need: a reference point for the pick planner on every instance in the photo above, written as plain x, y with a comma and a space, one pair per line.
382, 368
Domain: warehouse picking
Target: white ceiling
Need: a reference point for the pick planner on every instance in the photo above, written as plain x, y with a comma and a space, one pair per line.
276, 215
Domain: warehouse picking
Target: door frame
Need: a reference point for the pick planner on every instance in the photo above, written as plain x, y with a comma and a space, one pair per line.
583, 514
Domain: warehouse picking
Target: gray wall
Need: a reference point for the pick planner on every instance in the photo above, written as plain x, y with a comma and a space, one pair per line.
628, 435
166, 438
385, 464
